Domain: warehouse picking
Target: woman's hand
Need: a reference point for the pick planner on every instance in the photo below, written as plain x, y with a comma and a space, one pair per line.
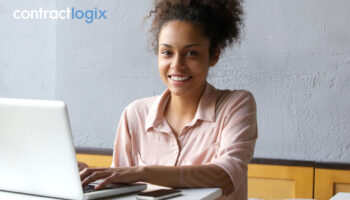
82, 166
111, 175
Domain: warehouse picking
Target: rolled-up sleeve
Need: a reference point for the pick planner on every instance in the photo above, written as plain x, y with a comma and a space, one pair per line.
122, 153
237, 142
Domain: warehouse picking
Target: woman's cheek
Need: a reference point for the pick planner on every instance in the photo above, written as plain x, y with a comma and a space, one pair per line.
162, 72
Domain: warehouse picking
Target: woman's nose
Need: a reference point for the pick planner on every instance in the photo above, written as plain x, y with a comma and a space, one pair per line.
177, 62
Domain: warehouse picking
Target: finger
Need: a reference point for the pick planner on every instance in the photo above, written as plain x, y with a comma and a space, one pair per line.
87, 171
95, 176
106, 181
82, 165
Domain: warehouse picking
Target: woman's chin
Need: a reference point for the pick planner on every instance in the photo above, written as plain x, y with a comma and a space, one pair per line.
181, 92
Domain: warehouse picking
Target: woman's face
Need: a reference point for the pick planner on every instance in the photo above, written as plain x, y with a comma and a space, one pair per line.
183, 58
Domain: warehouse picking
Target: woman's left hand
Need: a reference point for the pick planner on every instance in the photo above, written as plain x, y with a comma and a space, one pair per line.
111, 175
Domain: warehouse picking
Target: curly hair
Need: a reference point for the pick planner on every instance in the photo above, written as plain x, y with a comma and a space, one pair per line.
220, 20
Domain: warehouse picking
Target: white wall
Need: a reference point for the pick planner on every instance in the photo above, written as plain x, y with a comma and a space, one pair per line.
102, 67
27, 56
294, 57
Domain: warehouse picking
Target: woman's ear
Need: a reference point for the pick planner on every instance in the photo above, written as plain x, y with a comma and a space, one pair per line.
215, 58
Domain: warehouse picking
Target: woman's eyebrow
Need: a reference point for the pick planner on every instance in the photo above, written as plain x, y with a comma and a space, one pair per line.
166, 45
192, 45
187, 46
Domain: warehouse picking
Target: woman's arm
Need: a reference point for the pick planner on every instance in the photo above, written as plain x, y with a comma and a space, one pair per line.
197, 176
191, 176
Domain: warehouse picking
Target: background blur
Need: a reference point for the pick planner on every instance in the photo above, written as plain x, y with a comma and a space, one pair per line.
294, 57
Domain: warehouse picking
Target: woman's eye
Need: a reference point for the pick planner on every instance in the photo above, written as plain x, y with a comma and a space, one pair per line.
167, 53
192, 53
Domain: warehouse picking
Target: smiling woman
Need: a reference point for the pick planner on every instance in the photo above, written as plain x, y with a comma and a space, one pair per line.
192, 135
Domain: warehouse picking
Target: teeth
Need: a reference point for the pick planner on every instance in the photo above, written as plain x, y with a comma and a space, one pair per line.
179, 78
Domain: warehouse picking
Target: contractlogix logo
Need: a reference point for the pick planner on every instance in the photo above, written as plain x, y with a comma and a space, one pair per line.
89, 16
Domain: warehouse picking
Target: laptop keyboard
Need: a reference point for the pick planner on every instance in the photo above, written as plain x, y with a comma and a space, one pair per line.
91, 188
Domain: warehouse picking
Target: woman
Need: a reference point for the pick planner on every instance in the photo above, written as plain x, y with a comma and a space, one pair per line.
192, 135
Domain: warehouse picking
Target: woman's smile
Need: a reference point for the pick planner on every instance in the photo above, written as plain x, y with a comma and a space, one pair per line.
178, 80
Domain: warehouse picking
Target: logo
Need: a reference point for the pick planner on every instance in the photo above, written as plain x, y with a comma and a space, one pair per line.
89, 16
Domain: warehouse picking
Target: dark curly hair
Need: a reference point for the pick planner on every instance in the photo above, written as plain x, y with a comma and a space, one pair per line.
220, 20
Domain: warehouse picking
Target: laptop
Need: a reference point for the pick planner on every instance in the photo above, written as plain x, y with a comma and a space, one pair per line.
37, 154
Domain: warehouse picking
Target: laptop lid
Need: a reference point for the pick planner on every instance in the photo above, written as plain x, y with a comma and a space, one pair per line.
37, 154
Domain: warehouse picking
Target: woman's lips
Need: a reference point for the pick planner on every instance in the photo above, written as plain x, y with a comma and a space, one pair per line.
179, 78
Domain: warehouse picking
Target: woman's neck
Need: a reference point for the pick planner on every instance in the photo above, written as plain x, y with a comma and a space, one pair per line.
185, 106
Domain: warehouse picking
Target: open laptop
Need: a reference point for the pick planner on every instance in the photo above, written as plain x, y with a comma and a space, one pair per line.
37, 154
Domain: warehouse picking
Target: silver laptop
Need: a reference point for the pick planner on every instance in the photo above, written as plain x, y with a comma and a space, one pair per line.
37, 154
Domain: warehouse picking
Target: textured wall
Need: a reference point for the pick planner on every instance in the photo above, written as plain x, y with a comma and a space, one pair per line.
102, 67
294, 56
27, 54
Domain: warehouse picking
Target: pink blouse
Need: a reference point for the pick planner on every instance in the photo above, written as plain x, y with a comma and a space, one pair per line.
223, 132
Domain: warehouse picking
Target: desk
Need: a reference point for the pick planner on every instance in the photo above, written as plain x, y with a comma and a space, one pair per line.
341, 196
187, 194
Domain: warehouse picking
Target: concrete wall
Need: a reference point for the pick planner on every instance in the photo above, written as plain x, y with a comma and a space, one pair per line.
294, 56
27, 52
102, 67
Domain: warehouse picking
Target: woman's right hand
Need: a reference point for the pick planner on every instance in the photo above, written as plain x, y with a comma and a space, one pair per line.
82, 165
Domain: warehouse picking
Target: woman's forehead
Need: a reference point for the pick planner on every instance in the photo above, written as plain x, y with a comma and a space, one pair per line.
182, 32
